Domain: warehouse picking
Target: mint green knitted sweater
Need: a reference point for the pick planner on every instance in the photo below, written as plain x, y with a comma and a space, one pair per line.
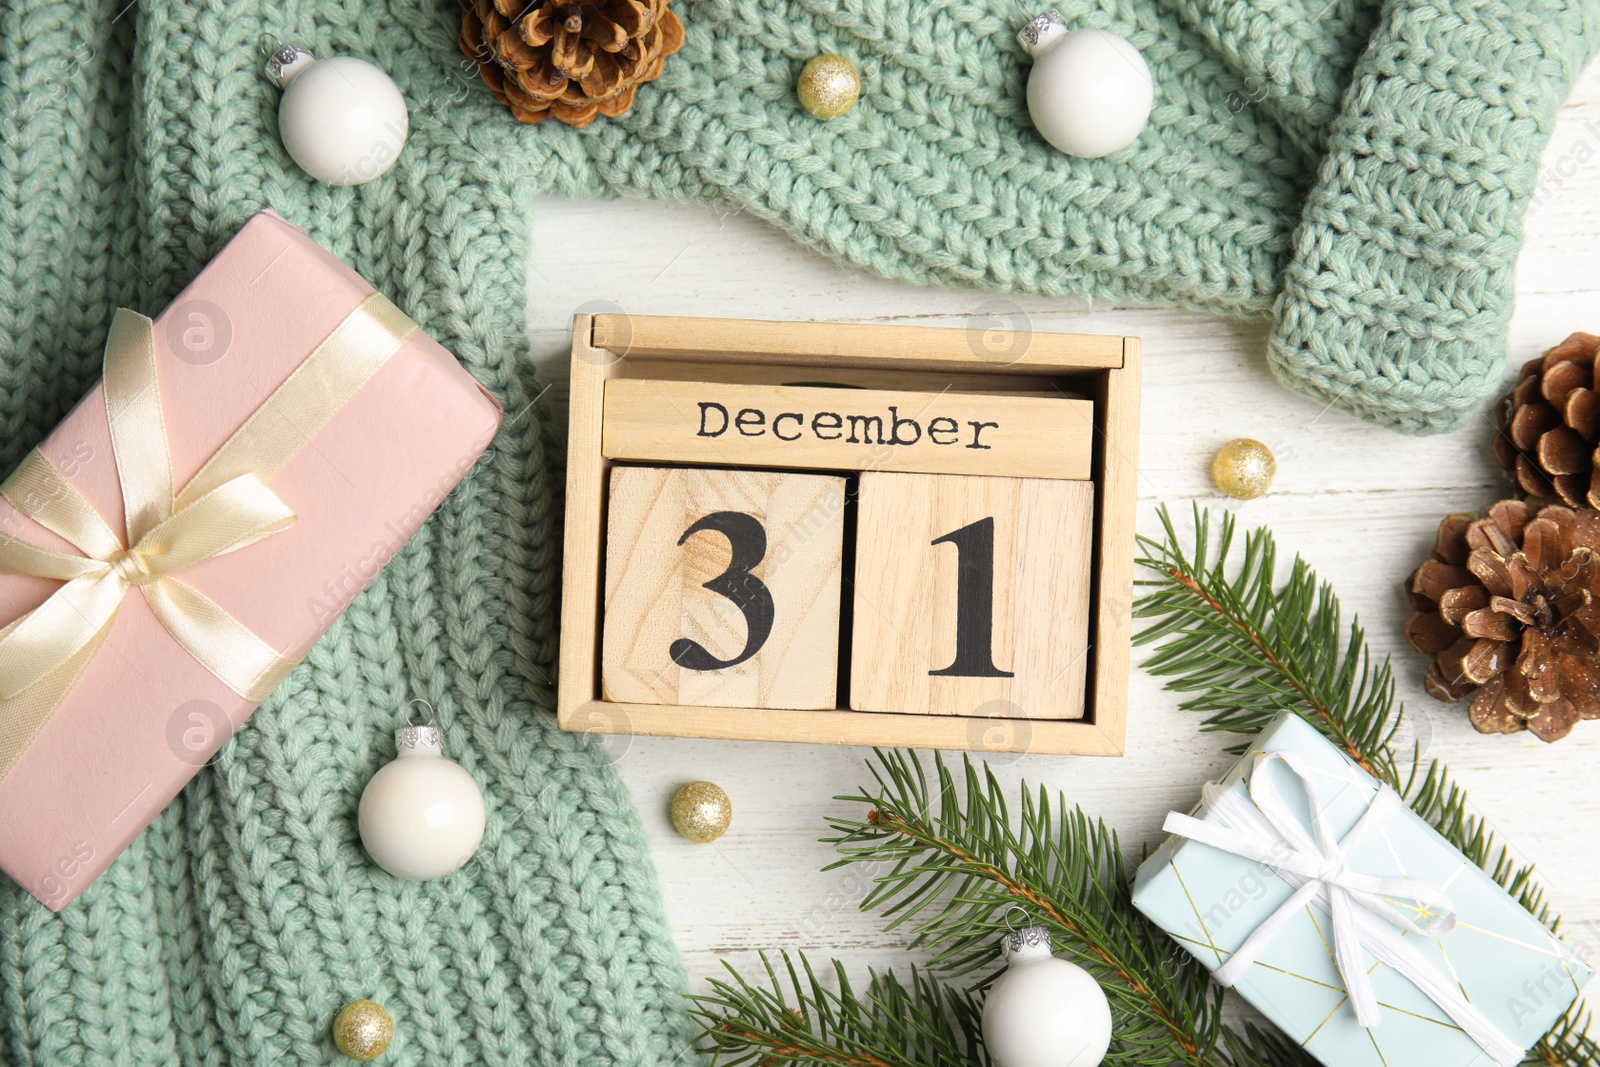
1360, 170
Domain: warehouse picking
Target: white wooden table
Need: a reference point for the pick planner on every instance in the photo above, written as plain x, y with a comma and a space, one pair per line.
1360, 503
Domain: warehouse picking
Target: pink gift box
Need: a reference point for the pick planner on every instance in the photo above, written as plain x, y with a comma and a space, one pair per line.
145, 716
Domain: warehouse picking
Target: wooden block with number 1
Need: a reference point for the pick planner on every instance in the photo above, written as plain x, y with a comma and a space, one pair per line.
722, 588
972, 596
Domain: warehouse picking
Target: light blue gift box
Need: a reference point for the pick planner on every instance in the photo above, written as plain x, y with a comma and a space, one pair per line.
1506, 964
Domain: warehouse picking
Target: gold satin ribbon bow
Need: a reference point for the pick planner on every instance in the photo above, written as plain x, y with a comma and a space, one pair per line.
228, 505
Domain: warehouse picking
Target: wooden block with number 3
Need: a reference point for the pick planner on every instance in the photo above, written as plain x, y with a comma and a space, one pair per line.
722, 588
972, 596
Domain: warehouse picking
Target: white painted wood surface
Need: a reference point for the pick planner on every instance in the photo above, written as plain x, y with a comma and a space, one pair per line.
1360, 503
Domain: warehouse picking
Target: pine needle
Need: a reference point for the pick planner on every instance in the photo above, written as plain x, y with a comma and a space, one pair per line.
957, 860
797, 1018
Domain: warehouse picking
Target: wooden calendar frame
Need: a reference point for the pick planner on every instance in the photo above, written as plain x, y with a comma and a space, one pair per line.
1105, 369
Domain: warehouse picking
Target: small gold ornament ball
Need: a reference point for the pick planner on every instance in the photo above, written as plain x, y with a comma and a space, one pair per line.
701, 811
1244, 468
829, 87
362, 1030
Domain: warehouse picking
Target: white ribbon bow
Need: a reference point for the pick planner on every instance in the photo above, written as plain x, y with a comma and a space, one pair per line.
1362, 906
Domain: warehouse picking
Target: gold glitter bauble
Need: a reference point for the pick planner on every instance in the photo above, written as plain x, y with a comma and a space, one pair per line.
362, 1030
1244, 468
701, 811
829, 87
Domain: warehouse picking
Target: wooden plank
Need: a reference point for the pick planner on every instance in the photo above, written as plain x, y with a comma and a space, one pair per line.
585, 521
843, 727
847, 429
1062, 384
722, 588
971, 596
1115, 544
843, 344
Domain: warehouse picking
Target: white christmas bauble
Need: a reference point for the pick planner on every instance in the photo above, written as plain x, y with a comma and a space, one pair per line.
1090, 91
422, 815
1043, 1011
342, 119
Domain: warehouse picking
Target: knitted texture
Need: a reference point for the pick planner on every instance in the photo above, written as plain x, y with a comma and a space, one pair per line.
134, 140
1396, 303
1358, 170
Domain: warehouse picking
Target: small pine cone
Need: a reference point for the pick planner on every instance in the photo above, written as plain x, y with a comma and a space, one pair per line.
1507, 606
571, 59
1550, 425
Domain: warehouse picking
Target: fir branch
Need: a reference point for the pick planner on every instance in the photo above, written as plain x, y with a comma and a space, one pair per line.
949, 862
797, 1019
957, 861
1248, 648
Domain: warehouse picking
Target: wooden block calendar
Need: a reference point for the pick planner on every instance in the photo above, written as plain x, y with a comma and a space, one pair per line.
848, 534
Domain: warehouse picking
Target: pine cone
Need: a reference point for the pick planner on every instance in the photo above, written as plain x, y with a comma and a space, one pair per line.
1550, 424
570, 59
1508, 606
